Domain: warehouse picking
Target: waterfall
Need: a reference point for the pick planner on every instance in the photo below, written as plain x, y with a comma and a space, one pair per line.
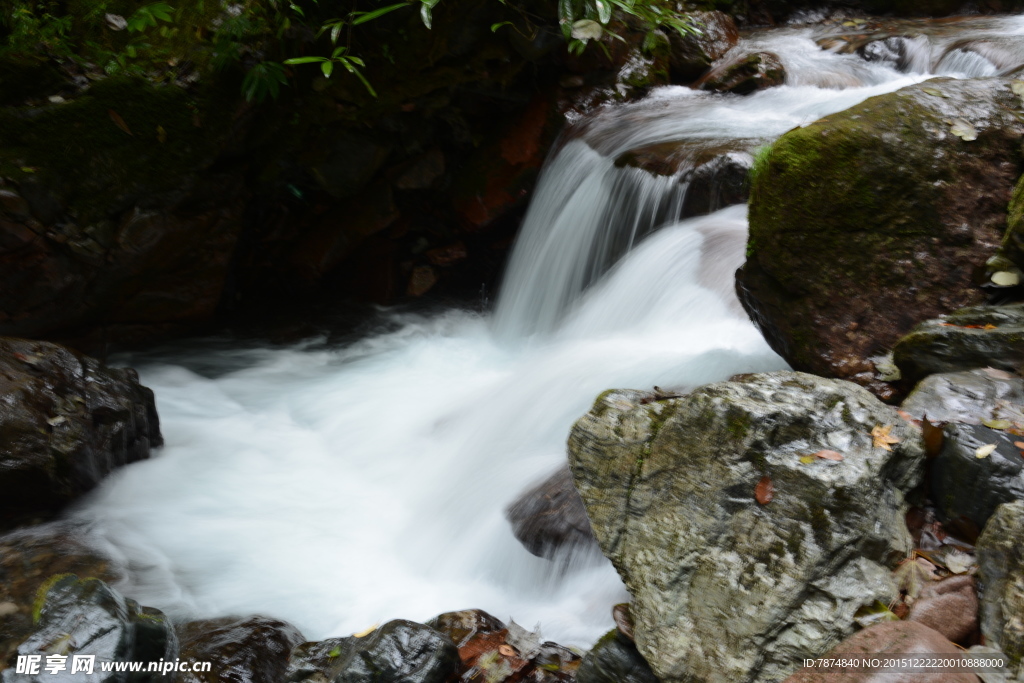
338, 486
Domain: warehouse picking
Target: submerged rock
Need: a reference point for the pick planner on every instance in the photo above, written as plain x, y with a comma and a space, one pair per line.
67, 421
614, 659
86, 616
969, 397
744, 551
890, 638
1001, 572
979, 336
746, 74
968, 485
31, 557
550, 519
248, 650
717, 184
874, 219
693, 54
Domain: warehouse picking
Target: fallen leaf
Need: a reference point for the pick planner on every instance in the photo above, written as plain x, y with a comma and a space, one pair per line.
957, 562
161, 134
874, 614
881, 438
808, 459
934, 91
963, 130
989, 326
363, 634
1019, 444
829, 455
507, 650
912, 573
992, 423
1005, 278
119, 122
997, 374
116, 22
1018, 88
764, 491
985, 451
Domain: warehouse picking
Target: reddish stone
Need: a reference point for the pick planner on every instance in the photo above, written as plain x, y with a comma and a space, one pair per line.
950, 607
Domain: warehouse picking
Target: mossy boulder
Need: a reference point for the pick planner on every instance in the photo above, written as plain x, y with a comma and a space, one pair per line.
972, 337
33, 557
871, 220
614, 659
67, 422
1001, 572
744, 551
88, 617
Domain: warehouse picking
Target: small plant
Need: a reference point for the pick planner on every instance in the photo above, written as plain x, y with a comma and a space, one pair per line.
149, 16
263, 80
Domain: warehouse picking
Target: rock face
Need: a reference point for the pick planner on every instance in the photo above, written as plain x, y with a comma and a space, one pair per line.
894, 637
249, 650
694, 54
1001, 572
744, 552
965, 486
614, 659
978, 336
717, 184
743, 75
877, 218
969, 397
67, 421
28, 559
88, 617
550, 518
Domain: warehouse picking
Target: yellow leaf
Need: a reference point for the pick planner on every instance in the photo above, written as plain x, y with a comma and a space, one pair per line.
881, 438
807, 459
363, 634
985, 451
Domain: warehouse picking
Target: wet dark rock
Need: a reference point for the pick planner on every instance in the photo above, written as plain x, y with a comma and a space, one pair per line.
949, 606
86, 616
893, 638
319, 661
971, 397
247, 650
463, 625
67, 421
743, 552
614, 659
717, 184
877, 218
31, 557
1001, 573
965, 486
399, 651
550, 519
961, 340
692, 55
746, 74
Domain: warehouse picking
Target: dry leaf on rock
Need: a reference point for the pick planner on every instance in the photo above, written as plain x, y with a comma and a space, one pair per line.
963, 130
881, 438
764, 491
985, 451
829, 455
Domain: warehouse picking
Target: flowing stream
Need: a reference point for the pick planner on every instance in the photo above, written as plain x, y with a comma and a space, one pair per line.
340, 487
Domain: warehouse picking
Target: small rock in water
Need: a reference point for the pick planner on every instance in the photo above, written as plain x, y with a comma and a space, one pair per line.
550, 520
255, 649
614, 659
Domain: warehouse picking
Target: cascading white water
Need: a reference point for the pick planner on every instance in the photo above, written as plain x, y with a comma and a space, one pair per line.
340, 487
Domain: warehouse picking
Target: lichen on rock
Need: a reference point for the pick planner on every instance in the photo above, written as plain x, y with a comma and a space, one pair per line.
729, 584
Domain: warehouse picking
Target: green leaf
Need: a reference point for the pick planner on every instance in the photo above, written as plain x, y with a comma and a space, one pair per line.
338, 51
305, 60
357, 60
327, 67
495, 27
335, 32
586, 29
604, 10
363, 17
297, 10
425, 15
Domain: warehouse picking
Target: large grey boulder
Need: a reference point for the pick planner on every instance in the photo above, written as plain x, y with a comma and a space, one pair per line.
743, 550
971, 397
1001, 571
